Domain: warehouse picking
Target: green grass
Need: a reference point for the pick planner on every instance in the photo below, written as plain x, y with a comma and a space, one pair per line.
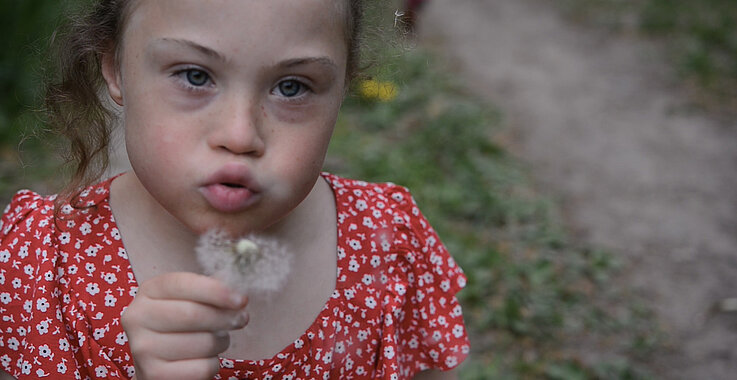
532, 296
701, 36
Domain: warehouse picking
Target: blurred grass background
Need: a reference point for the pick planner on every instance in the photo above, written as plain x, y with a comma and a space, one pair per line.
700, 37
537, 304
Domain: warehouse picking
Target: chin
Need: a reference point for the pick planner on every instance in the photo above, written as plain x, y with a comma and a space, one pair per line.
232, 226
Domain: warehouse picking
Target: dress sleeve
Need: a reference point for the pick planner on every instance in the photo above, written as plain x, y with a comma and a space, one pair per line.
430, 330
33, 339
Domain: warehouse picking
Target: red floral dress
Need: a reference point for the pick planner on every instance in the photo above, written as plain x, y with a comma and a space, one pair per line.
64, 282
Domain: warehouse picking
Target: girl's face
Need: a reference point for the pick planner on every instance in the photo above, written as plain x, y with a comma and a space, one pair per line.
229, 105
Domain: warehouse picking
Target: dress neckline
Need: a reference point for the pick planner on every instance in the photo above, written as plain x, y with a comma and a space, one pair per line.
100, 196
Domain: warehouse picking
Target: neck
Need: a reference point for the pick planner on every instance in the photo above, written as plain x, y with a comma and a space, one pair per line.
301, 224
161, 233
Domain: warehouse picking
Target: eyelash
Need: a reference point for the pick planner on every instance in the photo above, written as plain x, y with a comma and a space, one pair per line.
181, 76
303, 89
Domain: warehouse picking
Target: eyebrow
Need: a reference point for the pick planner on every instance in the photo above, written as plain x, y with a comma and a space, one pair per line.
194, 45
324, 61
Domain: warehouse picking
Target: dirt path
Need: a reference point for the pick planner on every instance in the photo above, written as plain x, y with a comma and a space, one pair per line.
604, 128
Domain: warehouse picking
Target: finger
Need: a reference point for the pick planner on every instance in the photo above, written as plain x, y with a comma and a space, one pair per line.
204, 369
168, 316
193, 287
182, 346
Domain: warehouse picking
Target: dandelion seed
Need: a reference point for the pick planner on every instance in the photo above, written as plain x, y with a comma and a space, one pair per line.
249, 264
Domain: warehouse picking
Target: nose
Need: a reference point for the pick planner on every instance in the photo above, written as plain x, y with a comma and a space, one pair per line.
238, 127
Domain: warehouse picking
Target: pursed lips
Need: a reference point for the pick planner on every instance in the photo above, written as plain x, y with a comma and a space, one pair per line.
231, 189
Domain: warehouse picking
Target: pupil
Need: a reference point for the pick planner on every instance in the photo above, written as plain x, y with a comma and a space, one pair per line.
197, 77
289, 88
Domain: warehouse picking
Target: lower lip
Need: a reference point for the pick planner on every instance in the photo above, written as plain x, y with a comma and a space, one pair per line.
228, 199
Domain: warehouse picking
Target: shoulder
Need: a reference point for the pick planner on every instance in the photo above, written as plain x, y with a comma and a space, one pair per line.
30, 215
26, 209
384, 219
360, 196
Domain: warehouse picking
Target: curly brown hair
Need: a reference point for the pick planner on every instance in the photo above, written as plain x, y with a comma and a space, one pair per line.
73, 102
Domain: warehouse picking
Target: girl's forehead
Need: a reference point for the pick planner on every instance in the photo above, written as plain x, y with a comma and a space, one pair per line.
234, 25
239, 12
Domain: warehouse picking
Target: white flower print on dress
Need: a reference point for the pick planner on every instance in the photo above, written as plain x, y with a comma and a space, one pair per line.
355, 245
93, 288
42, 304
13, 344
64, 344
23, 252
92, 250
110, 300
375, 261
98, 334
400, 289
121, 338
299, 343
65, 238
328, 357
25, 367
4, 256
101, 371
368, 222
349, 293
110, 278
389, 352
451, 361
353, 265
361, 205
362, 335
42, 327
85, 228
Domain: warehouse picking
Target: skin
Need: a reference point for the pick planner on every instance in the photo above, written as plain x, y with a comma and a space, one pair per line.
206, 86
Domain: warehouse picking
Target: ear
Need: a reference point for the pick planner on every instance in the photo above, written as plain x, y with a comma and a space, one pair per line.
111, 73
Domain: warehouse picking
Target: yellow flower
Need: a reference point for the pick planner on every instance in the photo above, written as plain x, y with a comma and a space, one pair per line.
377, 90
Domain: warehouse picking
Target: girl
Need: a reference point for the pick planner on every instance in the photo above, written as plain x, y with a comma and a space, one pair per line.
228, 108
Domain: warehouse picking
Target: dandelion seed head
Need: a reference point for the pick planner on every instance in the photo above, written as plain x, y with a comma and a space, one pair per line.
252, 263
246, 247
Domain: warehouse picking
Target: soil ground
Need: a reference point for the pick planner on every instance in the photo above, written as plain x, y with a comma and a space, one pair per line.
606, 128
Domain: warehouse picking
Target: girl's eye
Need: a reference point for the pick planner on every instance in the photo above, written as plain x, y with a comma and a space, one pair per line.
290, 88
197, 78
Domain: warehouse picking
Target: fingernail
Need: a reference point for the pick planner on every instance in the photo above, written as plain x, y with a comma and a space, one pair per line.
240, 320
238, 299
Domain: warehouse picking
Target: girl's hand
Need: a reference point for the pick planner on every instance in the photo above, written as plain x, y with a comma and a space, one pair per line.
178, 324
